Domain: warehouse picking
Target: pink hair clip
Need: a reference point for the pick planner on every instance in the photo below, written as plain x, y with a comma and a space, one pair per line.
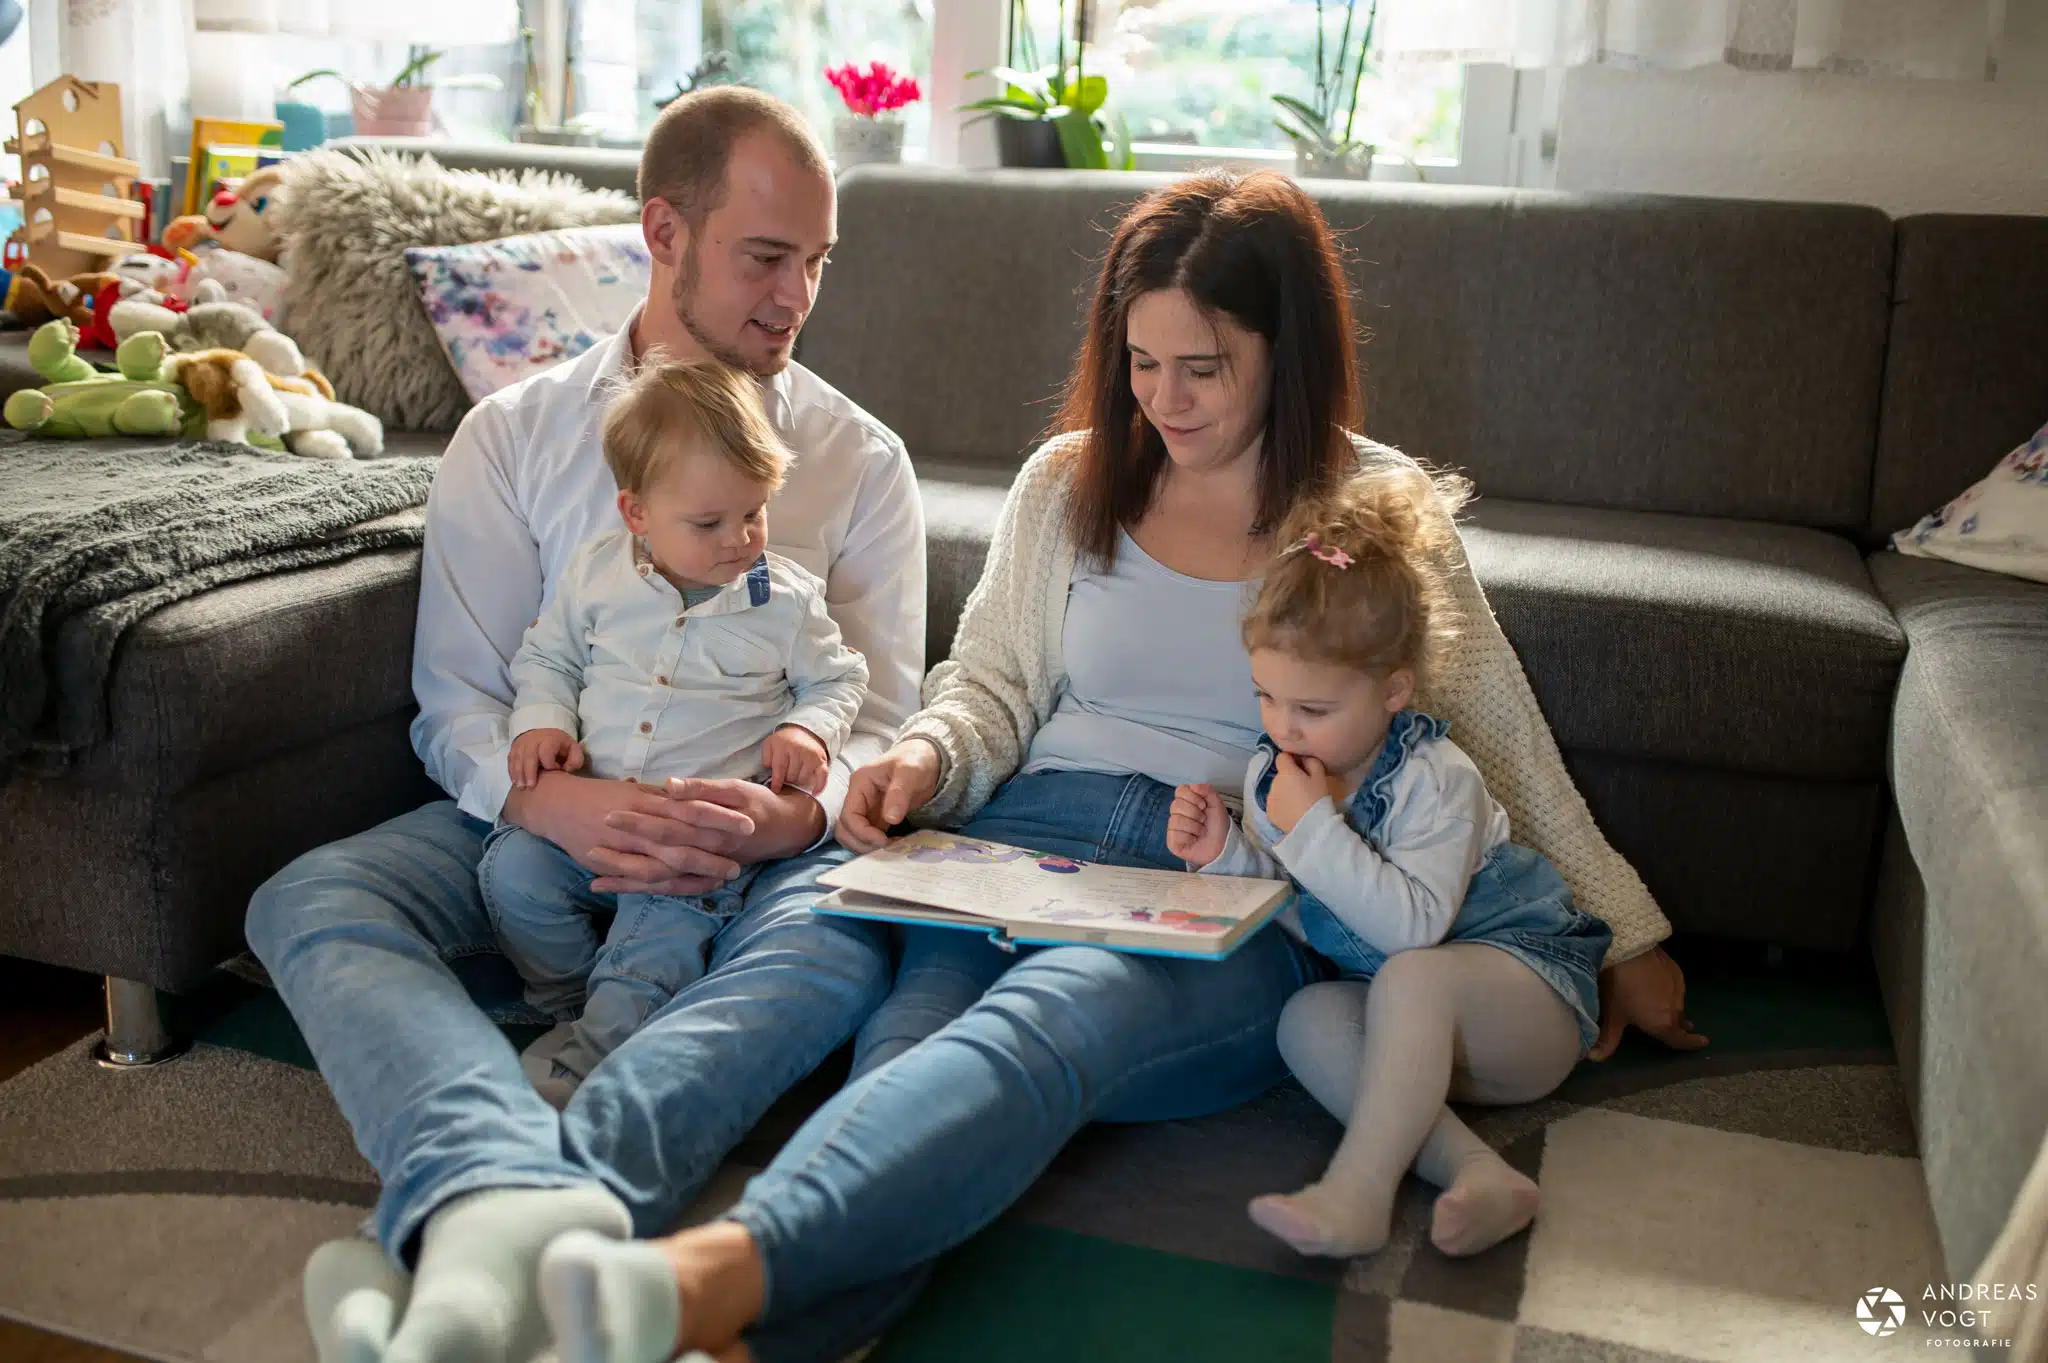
1328, 553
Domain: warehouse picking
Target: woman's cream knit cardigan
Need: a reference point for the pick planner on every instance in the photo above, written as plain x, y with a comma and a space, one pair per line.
982, 706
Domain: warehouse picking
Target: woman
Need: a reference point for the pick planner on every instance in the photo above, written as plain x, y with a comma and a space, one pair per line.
1097, 665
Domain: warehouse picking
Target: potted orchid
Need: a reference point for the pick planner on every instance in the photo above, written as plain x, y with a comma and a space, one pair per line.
1322, 128
870, 130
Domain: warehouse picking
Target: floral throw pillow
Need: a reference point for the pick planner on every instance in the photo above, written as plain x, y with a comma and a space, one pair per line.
2000, 524
509, 308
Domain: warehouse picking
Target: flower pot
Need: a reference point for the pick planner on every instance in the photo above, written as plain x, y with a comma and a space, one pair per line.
305, 127
1029, 142
399, 111
858, 141
1354, 164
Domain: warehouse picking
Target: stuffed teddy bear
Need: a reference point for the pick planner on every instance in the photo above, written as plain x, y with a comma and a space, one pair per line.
78, 401
34, 297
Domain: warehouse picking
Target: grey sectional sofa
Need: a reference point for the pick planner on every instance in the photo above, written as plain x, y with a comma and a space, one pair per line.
1690, 421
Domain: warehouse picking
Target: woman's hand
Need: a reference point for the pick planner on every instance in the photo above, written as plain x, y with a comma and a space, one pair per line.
1646, 991
882, 794
1198, 825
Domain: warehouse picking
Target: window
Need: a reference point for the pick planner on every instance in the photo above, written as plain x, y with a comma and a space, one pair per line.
467, 114
1202, 73
781, 46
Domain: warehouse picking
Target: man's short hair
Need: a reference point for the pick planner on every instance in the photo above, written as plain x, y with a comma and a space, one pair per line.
685, 156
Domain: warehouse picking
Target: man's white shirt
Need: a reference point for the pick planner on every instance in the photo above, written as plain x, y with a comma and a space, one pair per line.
524, 483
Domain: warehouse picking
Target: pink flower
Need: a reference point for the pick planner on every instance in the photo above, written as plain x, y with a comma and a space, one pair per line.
874, 91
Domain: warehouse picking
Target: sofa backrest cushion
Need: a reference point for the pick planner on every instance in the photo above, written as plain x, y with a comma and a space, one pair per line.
1660, 354
596, 167
1966, 374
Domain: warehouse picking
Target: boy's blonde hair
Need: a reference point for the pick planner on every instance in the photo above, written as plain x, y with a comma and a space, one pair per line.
1361, 577
667, 408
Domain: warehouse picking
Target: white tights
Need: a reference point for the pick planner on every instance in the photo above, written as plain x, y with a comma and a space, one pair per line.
1462, 1020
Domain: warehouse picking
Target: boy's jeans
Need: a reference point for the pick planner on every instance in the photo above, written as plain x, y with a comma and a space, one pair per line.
546, 918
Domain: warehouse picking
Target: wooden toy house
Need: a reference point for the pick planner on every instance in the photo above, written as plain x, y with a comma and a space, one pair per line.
77, 192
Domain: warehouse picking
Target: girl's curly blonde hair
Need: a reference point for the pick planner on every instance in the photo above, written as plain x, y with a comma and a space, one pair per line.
1361, 575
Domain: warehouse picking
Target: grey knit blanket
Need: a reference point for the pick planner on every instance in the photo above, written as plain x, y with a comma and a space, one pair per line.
95, 535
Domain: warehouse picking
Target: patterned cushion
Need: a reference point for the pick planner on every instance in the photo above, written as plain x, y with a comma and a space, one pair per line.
508, 308
2000, 523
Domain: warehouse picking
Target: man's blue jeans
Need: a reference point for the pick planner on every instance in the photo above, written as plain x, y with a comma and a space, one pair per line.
383, 951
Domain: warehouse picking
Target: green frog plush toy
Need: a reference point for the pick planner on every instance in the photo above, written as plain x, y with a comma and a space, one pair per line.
78, 401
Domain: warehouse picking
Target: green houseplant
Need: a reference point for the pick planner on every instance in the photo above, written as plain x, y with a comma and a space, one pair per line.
1324, 146
405, 107
1053, 115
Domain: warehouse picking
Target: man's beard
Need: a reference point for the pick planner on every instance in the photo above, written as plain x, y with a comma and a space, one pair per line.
683, 298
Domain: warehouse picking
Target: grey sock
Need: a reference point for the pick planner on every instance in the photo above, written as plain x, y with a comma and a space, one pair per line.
473, 1298
610, 1301
354, 1295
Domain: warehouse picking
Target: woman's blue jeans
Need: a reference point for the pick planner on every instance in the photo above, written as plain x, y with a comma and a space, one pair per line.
917, 1154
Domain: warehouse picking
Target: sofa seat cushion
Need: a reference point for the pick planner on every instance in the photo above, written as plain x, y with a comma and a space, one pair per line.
1732, 644
227, 678
1970, 737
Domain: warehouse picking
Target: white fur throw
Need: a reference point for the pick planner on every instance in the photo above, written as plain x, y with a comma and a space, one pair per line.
352, 303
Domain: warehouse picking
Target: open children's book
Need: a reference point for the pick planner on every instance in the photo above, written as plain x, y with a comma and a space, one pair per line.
1021, 896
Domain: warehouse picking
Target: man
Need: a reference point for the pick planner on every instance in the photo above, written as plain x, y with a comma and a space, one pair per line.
364, 938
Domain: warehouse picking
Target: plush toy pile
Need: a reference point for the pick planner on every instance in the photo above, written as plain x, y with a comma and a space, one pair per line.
235, 378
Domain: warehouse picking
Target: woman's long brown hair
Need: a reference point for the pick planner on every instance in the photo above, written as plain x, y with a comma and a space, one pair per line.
1252, 248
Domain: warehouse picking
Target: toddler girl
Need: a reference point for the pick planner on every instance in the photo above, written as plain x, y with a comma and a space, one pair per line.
1483, 977
674, 645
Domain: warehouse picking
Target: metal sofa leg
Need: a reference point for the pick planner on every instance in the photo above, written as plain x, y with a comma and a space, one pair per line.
137, 1035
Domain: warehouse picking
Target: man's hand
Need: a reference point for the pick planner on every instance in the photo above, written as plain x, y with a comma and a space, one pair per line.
882, 793
654, 852
1298, 782
1646, 991
795, 757
687, 839
1198, 825
539, 750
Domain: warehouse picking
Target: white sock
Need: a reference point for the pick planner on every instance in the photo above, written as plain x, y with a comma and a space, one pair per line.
354, 1296
610, 1301
473, 1297
1488, 1201
1332, 1218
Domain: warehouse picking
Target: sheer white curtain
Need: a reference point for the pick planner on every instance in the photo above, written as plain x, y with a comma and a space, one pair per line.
437, 23
174, 57
140, 46
1952, 39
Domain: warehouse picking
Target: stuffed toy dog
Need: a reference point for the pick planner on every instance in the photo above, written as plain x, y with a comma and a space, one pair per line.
233, 389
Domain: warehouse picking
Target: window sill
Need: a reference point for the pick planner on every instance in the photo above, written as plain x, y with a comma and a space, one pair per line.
1179, 156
